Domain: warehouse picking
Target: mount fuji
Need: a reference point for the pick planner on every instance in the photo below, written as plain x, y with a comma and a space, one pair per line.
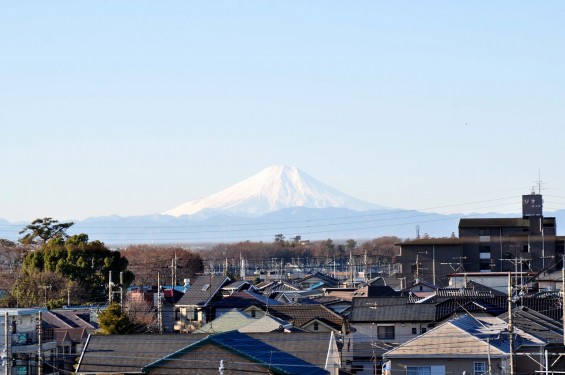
273, 189
278, 199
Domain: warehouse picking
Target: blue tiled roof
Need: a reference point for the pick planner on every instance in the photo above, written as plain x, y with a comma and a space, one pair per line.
497, 335
277, 361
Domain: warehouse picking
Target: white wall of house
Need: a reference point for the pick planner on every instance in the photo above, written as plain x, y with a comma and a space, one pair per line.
402, 331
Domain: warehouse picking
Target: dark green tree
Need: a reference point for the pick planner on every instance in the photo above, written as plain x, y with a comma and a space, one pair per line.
78, 260
42, 230
113, 321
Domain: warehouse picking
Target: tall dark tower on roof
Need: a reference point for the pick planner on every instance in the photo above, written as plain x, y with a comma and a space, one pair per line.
532, 206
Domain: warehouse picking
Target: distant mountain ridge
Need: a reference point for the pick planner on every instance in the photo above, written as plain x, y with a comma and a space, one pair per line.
272, 189
277, 200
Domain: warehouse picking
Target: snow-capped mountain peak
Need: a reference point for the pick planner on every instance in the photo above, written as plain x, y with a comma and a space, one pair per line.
272, 189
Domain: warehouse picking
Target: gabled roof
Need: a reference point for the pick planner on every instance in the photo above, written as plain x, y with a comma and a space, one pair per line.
534, 323
277, 361
69, 318
269, 287
202, 290
266, 323
323, 277
244, 299
232, 320
465, 336
496, 330
72, 334
390, 310
295, 353
236, 285
299, 315
445, 307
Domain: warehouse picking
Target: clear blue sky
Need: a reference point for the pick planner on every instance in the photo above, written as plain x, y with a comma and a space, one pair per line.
134, 107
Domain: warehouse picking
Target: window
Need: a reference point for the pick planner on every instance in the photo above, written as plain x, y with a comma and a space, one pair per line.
425, 370
253, 314
484, 251
418, 370
479, 368
414, 331
385, 332
316, 326
423, 330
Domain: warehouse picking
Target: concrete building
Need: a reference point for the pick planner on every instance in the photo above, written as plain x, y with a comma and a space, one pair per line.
23, 330
526, 244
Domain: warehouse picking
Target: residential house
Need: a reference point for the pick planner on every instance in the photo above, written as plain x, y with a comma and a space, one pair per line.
251, 303
318, 280
545, 328
195, 307
70, 328
466, 345
392, 319
237, 286
311, 317
230, 353
229, 321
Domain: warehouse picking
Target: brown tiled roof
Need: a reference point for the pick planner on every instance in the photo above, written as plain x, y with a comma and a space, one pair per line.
299, 315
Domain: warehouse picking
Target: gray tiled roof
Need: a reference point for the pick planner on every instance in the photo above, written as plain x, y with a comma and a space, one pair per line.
390, 309
245, 299
202, 290
534, 323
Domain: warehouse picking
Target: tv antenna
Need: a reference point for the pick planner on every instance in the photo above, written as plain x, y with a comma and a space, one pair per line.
539, 184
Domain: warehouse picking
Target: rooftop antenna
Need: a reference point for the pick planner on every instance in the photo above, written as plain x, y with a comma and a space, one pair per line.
417, 231
539, 182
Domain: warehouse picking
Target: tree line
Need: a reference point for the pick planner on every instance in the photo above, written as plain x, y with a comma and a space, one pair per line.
48, 267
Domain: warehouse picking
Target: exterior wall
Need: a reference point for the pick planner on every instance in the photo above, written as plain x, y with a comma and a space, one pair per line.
367, 332
187, 318
523, 240
254, 310
489, 245
452, 365
439, 257
322, 328
24, 340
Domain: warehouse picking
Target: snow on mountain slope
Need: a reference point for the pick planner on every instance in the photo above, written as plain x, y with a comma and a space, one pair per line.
273, 189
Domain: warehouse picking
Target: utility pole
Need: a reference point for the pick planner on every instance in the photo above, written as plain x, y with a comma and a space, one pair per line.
434, 264
110, 291
122, 291
39, 344
174, 271
159, 309
489, 361
510, 329
351, 268
8, 344
563, 299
